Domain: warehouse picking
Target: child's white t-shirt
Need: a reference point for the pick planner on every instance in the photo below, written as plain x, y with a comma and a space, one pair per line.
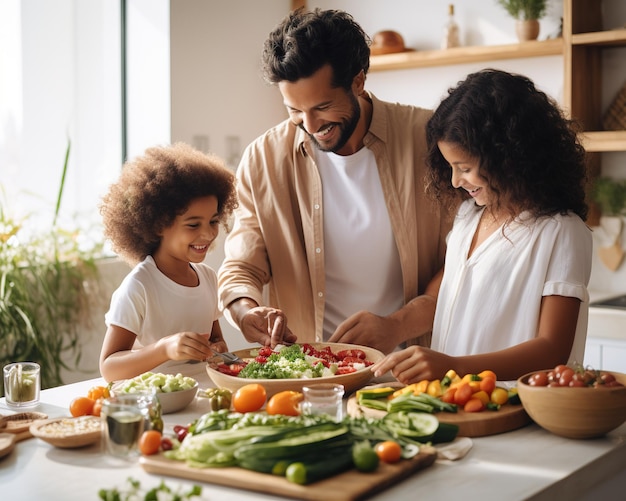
153, 306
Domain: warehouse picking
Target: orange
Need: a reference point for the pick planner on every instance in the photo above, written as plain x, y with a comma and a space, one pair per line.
249, 398
286, 403
81, 406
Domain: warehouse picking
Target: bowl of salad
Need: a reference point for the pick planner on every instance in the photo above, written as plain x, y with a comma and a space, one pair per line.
292, 367
174, 391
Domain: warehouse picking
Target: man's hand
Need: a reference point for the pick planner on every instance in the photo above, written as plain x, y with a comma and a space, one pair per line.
266, 326
367, 329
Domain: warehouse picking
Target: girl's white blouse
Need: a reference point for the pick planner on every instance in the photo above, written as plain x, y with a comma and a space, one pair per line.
491, 301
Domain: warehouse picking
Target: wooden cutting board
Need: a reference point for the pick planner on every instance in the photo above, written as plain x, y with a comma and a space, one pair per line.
351, 485
471, 424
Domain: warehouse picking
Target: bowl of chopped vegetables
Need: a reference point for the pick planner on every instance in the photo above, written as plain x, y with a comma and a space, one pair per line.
175, 392
298, 365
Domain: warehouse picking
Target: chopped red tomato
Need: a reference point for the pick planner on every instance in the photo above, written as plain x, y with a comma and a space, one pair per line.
353, 353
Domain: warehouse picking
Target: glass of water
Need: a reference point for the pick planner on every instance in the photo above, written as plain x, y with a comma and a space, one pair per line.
323, 399
124, 418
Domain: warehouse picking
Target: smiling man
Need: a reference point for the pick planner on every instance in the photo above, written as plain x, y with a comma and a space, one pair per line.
332, 213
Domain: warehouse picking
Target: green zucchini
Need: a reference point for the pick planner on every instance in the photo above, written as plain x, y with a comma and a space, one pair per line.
306, 471
306, 442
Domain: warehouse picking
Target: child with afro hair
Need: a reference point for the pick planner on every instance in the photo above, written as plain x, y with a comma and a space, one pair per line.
162, 217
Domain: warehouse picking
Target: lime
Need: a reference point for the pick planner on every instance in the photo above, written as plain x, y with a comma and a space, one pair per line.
364, 457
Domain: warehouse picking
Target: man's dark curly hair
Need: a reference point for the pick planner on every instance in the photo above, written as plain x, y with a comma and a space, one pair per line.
307, 40
154, 189
527, 150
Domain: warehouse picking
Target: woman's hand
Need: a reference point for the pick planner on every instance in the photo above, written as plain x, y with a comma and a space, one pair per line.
414, 364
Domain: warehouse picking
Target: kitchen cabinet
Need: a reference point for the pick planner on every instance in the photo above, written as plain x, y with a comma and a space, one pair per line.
606, 354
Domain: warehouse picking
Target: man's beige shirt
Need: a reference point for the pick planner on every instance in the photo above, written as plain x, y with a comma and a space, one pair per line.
278, 234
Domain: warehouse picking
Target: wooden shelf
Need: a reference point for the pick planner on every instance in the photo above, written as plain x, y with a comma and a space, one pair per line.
598, 141
462, 55
615, 38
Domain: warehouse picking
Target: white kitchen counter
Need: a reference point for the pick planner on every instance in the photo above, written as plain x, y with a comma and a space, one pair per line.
528, 463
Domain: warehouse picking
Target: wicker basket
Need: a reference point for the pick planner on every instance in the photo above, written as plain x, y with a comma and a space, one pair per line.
615, 116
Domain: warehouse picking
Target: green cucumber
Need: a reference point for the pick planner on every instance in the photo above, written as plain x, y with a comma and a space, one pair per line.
446, 432
306, 442
307, 472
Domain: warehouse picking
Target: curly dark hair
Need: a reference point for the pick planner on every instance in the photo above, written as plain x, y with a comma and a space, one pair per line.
527, 150
307, 40
154, 189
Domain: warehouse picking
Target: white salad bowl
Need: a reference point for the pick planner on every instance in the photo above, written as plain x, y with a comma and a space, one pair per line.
351, 382
172, 397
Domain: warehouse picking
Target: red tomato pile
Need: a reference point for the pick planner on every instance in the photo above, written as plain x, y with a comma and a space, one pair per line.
563, 375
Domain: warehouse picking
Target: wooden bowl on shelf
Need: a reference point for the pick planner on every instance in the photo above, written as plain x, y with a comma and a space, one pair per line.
350, 382
586, 412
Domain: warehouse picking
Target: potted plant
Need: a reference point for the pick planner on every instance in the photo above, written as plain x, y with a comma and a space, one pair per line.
610, 195
527, 14
45, 281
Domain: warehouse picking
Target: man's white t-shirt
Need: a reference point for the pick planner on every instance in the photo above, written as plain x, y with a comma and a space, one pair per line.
492, 300
361, 258
153, 306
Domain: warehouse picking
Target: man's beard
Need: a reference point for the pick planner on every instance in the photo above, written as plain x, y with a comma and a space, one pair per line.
346, 127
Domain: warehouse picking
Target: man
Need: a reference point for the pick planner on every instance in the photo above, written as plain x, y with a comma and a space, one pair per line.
332, 212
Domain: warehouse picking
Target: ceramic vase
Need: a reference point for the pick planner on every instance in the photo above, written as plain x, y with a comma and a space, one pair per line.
527, 29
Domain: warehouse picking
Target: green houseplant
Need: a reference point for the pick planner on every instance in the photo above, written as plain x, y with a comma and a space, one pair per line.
525, 9
527, 14
610, 195
45, 282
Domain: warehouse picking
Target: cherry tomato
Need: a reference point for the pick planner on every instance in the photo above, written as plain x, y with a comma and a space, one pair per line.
388, 451
539, 379
249, 398
474, 405
181, 432
487, 374
488, 384
286, 403
448, 396
499, 396
166, 444
81, 406
97, 407
606, 377
150, 442
566, 376
463, 394
558, 370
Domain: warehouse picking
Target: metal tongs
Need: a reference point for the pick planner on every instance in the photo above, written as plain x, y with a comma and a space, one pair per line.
229, 358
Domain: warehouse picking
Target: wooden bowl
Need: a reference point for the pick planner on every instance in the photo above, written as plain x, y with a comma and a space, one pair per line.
67, 432
351, 382
575, 412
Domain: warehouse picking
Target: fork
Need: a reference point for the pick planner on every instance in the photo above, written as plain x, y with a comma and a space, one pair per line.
229, 358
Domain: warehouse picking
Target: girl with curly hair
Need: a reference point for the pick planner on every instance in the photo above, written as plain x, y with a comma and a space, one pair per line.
162, 217
512, 296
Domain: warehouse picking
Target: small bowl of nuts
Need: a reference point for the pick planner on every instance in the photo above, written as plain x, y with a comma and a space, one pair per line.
68, 433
